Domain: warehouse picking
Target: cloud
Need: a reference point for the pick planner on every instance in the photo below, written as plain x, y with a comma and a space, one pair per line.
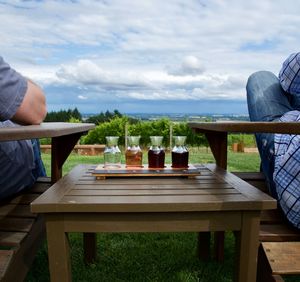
88, 76
88, 73
190, 66
118, 50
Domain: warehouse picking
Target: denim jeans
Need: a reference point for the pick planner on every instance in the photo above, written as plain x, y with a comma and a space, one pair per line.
39, 169
21, 165
267, 101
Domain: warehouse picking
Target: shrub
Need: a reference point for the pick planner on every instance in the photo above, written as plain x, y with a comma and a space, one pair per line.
161, 127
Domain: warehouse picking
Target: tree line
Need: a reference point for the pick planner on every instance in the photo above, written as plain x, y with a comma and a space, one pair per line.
116, 124
72, 115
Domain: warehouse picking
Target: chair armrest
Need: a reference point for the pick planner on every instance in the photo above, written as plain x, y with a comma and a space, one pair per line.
47, 129
217, 133
64, 136
246, 127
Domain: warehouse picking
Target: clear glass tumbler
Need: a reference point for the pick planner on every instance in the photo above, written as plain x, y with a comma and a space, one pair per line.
112, 153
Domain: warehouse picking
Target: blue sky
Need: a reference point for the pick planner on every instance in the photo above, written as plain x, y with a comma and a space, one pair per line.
176, 56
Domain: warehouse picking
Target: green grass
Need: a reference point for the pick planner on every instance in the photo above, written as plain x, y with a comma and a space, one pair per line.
236, 161
161, 257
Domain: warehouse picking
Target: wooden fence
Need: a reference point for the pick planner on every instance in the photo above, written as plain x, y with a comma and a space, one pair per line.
89, 150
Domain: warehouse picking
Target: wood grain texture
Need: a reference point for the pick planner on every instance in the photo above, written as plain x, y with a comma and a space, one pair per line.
218, 190
247, 127
213, 201
284, 257
20, 229
273, 226
102, 173
46, 129
21, 232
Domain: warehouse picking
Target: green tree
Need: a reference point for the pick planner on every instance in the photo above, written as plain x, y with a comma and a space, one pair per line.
193, 139
146, 129
63, 115
115, 127
74, 120
104, 117
161, 127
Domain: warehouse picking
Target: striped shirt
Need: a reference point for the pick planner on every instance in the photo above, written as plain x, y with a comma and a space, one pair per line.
289, 75
287, 170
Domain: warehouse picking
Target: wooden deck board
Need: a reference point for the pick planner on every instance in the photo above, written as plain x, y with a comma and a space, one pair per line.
5, 259
284, 257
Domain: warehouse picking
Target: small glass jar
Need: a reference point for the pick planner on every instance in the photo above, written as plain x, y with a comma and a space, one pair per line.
112, 153
134, 154
180, 154
156, 153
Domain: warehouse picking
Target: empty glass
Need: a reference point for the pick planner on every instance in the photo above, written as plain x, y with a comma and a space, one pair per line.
112, 153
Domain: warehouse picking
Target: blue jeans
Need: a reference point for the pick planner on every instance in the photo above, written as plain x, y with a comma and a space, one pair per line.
267, 101
39, 169
21, 165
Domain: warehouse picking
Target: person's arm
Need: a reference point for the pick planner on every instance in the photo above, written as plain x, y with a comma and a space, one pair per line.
33, 107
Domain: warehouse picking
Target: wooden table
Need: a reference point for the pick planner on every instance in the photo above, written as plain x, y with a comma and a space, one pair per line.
64, 137
213, 201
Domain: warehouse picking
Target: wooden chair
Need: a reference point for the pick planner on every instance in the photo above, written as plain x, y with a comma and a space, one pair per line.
21, 232
274, 227
275, 232
279, 251
276, 259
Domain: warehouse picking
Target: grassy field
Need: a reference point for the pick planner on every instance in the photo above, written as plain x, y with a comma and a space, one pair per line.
236, 161
160, 257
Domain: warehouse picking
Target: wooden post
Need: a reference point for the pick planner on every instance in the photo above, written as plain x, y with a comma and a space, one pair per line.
126, 134
171, 136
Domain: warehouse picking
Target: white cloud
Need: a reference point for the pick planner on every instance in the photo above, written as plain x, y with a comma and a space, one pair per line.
88, 73
148, 85
120, 49
190, 66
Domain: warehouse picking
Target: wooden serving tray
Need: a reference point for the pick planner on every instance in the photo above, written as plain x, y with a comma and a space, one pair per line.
101, 173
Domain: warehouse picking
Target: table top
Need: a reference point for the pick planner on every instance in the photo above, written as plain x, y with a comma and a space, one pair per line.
46, 129
247, 127
213, 190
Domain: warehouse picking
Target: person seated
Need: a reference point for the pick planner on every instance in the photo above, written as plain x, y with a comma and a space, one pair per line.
278, 99
22, 102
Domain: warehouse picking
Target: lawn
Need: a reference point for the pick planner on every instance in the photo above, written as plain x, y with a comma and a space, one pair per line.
145, 257
236, 161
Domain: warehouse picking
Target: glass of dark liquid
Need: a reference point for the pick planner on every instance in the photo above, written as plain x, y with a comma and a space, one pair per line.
180, 154
156, 153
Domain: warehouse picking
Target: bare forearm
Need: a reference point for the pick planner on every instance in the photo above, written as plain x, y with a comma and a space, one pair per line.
33, 108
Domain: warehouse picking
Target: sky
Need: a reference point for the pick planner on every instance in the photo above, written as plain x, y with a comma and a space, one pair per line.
147, 56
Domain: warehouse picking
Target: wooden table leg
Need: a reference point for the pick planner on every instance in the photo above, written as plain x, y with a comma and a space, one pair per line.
247, 247
62, 146
219, 239
90, 247
203, 248
58, 250
218, 145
